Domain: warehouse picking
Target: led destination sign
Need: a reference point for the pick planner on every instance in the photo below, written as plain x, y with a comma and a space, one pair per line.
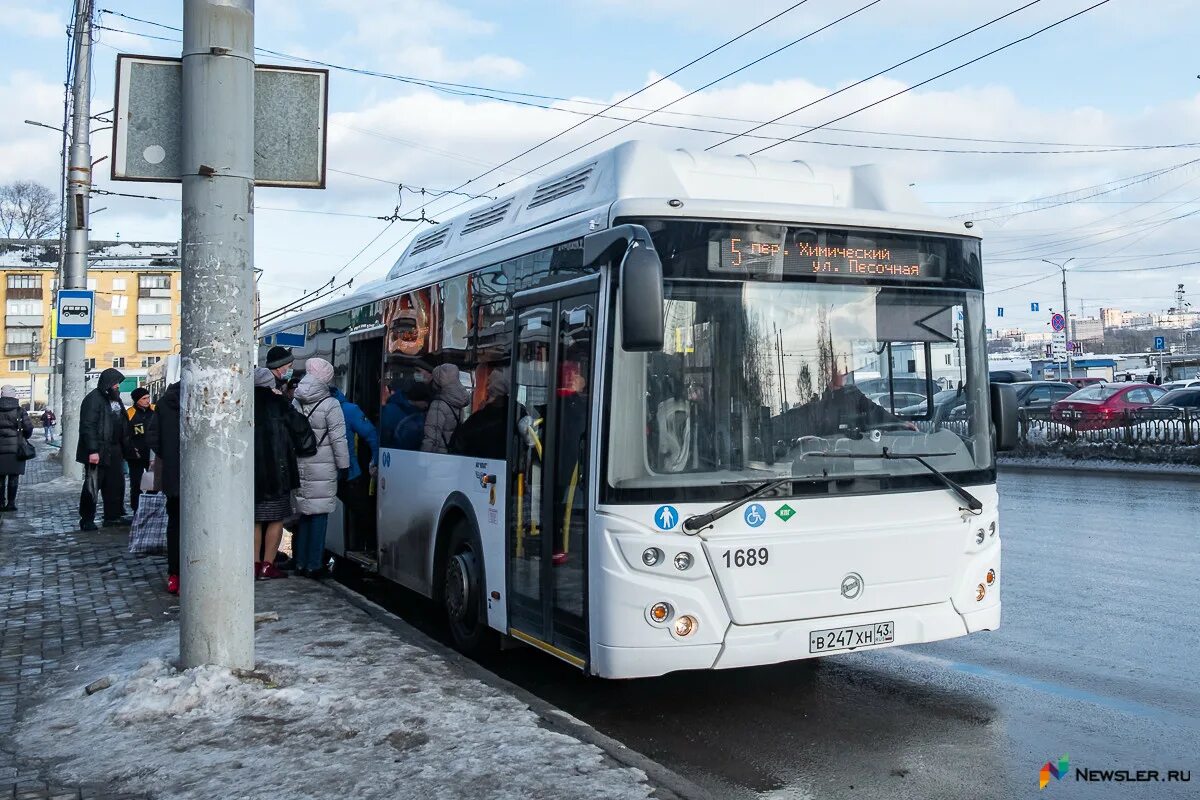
832, 254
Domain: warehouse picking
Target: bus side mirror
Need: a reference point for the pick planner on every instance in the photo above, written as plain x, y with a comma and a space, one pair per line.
1004, 416
641, 298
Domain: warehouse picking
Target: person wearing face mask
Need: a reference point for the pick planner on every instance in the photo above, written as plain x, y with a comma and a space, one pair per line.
103, 426
279, 361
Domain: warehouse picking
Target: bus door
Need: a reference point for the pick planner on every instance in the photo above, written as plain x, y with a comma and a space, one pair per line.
552, 390
363, 364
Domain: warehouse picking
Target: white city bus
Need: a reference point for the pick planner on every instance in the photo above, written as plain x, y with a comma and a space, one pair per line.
739, 415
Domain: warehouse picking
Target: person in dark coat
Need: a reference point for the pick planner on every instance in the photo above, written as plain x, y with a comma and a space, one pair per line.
103, 425
162, 437
48, 421
14, 423
485, 433
276, 473
402, 420
138, 453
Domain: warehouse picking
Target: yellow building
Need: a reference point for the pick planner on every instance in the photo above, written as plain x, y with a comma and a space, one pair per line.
136, 312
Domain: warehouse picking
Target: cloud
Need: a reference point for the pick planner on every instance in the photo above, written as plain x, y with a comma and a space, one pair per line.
28, 152
405, 36
28, 23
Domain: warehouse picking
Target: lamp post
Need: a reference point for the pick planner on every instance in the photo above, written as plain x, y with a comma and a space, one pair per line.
1066, 312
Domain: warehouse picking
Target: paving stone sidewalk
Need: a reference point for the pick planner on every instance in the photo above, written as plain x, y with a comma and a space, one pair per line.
76, 606
62, 591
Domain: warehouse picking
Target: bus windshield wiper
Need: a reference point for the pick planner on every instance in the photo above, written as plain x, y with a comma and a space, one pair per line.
973, 502
697, 522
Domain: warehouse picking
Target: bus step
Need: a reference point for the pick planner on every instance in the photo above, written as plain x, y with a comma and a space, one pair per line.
364, 560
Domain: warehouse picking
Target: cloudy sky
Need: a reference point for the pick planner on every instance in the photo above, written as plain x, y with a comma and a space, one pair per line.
1104, 111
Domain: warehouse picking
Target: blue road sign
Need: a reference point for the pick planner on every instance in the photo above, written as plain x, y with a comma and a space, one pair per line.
290, 338
755, 515
1160, 343
75, 313
666, 518
1000, 311
1035, 307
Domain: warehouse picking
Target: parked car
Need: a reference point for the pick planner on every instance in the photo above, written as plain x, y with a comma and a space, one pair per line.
901, 399
1008, 376
1103, 405
897, 383
1041, 394
1081, 382
1171, 404
1187, 383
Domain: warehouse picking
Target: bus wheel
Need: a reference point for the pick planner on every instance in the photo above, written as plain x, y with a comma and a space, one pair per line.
462, 593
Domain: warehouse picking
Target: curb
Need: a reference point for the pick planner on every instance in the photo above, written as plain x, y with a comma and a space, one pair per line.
1130, 470
666, 783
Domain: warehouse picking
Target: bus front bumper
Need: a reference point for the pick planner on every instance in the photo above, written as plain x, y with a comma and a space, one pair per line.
773, 643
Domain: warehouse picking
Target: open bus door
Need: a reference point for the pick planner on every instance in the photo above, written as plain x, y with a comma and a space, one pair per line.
357, 360
552, 389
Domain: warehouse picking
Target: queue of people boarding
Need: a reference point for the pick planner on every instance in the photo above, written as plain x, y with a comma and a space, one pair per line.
311, 444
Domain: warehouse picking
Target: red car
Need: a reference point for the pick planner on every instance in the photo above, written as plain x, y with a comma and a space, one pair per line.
1103, 405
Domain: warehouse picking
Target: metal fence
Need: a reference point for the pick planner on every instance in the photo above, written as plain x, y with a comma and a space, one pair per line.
1146, 426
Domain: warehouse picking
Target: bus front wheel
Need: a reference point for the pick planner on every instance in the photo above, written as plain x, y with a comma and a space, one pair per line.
462, 592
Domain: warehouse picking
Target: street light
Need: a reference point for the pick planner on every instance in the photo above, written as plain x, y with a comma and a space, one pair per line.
1066, 308
44, 125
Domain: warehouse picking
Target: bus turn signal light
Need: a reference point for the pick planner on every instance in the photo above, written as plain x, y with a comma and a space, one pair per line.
660, 612
685, 625
991, 577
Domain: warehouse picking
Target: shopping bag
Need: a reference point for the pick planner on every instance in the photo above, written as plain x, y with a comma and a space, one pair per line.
149, 484
148, 536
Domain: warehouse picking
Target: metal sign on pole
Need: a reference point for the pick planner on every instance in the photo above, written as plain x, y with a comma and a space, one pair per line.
75, 314
79, 187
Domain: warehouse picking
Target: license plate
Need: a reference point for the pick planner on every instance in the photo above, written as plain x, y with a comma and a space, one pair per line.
849, 638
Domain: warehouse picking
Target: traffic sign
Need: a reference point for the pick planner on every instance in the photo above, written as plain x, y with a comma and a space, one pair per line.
1000, 311
1058, 322
75, 313
1160, 343
755, 515
1034, 306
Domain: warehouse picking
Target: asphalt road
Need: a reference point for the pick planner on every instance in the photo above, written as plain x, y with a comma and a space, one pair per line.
1096, 658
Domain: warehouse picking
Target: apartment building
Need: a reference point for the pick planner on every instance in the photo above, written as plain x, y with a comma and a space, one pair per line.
136, 313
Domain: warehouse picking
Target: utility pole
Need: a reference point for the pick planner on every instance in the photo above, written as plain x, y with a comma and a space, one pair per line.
1066, 313
79, 186
217, 401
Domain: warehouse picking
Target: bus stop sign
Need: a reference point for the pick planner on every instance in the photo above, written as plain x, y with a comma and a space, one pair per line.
75, 313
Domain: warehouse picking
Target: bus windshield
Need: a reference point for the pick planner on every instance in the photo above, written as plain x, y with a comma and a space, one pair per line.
764, 379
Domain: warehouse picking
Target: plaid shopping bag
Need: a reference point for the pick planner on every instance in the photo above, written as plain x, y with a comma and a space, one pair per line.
148, 536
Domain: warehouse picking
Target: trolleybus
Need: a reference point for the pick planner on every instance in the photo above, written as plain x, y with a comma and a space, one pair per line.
714, 412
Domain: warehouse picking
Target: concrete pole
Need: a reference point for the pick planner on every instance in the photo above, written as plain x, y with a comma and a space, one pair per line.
79, 187
217, 463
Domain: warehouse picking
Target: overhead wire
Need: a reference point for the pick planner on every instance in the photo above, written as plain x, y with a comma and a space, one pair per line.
488, 92
942, 74
861, 81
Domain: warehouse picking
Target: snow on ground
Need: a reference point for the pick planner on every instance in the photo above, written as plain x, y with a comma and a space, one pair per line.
338, 706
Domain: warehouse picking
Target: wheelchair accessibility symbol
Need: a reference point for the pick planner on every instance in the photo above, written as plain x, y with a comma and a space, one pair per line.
755, 515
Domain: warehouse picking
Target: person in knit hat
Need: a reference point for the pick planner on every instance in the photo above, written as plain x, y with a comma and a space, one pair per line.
317, 496
103, 426
279, 361
137, 455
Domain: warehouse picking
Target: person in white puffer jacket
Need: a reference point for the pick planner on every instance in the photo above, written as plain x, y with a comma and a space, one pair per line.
317, 496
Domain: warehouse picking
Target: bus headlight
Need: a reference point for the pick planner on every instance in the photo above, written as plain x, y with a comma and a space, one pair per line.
683, 561
992, 529
651, 556
686, 625
980, 535
659, 613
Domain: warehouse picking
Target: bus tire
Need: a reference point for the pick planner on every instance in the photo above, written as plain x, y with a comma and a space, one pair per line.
462, 592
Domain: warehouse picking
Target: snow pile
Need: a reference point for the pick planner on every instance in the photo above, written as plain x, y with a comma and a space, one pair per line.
338, 706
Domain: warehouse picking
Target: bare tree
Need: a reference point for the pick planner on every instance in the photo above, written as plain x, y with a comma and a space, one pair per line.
28, 210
